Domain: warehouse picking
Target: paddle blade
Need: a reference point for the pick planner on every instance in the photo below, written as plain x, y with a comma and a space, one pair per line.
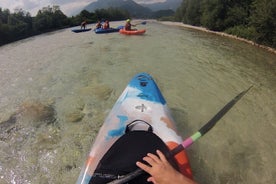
222, 112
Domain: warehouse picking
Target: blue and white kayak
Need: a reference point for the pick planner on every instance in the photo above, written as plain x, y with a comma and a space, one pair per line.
141, 100
109, 30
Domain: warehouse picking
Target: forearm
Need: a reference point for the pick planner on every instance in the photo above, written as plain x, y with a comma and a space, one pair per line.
181, 179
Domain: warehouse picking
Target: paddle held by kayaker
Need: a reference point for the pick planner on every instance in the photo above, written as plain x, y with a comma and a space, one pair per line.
161, 170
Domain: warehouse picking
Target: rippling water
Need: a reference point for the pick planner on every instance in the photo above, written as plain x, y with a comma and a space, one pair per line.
78, 77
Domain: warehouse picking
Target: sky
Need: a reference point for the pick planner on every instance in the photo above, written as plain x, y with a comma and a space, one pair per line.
66, 6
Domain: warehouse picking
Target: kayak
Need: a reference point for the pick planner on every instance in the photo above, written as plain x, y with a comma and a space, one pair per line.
132, 32
109, 30
80, 30
141, 100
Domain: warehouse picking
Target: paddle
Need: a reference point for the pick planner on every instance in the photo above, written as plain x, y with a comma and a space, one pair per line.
190, 140
142, 23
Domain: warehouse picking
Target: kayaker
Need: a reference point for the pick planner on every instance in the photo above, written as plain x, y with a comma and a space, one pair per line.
83, 24
106, 25
98, 25
161, 170
128, 25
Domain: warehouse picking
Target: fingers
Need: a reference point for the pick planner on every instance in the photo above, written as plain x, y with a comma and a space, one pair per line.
143, 166
152, 158
161, 155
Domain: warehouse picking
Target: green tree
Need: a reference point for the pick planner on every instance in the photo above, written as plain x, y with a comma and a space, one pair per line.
237, 12
4, 15
251, 19
213, 14
180, 11
263, 19
50, 18
192, 12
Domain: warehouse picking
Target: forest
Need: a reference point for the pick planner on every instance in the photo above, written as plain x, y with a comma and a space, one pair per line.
250, 19
20, 24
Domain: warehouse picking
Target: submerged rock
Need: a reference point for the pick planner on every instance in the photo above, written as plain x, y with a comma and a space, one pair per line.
36, 111
75, 116
102, 92
33, 112
6, 124
6, 127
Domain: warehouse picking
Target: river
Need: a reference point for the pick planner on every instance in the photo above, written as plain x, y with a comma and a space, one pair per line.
57, 88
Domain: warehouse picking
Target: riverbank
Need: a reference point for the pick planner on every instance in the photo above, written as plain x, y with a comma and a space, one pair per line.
270, 49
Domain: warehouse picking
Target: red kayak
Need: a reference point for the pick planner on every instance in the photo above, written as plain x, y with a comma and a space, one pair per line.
132, 32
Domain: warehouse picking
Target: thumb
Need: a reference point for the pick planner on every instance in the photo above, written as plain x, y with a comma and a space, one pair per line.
151, 179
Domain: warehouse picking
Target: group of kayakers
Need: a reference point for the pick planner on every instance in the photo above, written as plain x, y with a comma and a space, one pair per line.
105, 25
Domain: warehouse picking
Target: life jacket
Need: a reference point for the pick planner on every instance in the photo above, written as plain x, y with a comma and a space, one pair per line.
128, 26
98, 25
106, 26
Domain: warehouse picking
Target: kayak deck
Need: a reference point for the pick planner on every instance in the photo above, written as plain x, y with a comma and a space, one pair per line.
109, 30
142, 100
80, 30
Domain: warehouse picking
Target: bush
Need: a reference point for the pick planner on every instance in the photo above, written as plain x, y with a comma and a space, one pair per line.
243, 32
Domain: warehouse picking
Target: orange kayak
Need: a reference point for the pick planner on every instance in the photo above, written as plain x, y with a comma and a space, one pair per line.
132, 32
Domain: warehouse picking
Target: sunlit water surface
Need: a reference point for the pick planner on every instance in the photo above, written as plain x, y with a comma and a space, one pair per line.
80, 76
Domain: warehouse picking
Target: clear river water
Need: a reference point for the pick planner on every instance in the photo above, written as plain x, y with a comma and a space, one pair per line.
57, 88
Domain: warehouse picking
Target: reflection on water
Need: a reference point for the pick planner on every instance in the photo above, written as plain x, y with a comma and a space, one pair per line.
57, 88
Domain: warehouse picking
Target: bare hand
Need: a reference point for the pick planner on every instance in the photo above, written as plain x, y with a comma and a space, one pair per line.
161, 170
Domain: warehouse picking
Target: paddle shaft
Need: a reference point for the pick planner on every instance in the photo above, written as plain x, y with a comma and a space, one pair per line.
209, 125
143, 23
190, 140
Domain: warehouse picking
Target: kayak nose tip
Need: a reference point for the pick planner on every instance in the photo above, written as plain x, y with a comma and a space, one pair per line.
143, 84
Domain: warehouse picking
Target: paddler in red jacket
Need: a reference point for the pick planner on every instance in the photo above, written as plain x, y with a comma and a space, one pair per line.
128, 25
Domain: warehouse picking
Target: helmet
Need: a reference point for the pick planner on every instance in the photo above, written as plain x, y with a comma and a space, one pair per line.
128, 20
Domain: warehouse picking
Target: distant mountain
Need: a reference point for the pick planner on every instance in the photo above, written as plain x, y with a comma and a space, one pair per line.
132, 7
168, 4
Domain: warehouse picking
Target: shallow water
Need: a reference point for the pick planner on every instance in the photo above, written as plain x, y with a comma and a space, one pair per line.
80, 76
